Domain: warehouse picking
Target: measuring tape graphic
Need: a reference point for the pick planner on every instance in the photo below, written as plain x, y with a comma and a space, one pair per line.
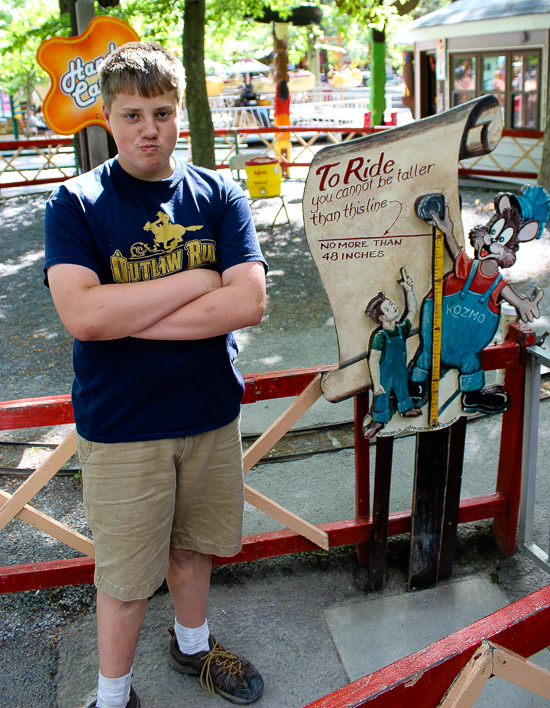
437, 274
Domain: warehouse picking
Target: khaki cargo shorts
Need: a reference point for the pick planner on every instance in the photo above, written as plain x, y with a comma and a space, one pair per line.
141, 498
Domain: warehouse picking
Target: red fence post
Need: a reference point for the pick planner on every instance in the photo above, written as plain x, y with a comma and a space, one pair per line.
511, 442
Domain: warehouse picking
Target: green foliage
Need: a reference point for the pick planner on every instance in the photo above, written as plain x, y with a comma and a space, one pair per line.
23, 25
231, 31
426, 6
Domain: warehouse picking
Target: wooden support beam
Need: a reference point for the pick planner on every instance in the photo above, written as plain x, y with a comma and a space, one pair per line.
282, 425
285, 517
362, 470
54, 528
430, 478
511, 441
493, 660
380, 511
452, 498
521, 672
263, 444
469, 683
38, 479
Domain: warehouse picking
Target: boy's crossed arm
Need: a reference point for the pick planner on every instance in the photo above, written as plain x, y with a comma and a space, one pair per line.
93, 312
240, 302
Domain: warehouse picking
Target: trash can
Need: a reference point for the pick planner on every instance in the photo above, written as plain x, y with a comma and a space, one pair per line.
263, 176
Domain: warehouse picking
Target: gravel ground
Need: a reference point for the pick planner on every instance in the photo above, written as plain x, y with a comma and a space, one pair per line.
36, 361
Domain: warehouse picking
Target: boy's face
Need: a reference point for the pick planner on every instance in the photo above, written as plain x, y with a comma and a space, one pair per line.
389, 310
145, 131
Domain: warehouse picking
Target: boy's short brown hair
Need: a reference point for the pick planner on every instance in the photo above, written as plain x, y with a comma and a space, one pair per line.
140, 67
374, 307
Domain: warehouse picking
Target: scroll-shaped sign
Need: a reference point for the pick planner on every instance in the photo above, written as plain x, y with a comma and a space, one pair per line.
74, 99
382, 219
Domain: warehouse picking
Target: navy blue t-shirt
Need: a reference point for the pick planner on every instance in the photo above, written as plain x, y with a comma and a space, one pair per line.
128, 230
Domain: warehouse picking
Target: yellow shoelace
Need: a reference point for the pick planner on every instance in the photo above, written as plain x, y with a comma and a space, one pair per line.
225, 658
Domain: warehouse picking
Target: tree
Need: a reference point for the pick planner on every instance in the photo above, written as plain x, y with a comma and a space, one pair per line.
163, 21
197, 14
196, 97
380, 16
23, 25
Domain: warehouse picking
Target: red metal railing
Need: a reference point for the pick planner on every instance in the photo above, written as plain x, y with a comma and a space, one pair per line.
422, 679
32, 160
502, 505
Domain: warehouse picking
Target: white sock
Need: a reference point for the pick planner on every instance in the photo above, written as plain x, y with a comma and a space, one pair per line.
192, 639
113, 692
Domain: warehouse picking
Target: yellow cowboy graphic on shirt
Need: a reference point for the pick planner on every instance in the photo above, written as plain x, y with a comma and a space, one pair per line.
165, 256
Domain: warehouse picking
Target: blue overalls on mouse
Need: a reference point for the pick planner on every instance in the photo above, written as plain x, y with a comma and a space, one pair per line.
467, 326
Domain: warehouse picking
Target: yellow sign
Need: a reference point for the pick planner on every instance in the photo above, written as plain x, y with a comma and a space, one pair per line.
74, 99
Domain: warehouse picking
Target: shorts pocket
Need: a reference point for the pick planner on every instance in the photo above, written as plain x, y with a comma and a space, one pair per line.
84, 448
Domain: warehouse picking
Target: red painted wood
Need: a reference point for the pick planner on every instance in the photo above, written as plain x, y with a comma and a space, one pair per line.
33, 143
422, 679
518, 133
500, 356
47, 574
31, 182
511, 442
499, 173
54, 410
74, 571
36, 412
280, 384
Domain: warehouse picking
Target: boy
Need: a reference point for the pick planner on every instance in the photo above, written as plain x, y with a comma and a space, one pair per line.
152, 263
388, 357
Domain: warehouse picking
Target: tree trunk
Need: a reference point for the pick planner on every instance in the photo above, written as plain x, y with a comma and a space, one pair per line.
196, 98
377, 103
544, 173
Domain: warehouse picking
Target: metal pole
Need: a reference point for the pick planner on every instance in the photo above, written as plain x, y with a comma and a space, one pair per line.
535, 357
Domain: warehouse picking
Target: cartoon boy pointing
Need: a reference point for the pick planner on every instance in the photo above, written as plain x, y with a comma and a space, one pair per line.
388, 356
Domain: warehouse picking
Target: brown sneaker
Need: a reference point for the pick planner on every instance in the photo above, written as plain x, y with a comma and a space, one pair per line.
133, 701
370, 430
234, 678
412, 412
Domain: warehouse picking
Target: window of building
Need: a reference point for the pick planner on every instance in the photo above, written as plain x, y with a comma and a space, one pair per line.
512, 76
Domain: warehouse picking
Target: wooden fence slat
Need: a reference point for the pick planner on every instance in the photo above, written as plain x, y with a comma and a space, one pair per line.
38, 479
452, 498
380, 510
286, 517
282, 425
430, 477
525, 674
54, 528
470, 681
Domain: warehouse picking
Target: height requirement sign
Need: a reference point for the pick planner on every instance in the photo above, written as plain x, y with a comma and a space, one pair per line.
74, 99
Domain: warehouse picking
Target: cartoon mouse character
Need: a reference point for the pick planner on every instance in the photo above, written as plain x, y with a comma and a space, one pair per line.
472, 293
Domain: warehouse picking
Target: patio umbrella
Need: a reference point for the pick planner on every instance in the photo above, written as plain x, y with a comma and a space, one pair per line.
247, 66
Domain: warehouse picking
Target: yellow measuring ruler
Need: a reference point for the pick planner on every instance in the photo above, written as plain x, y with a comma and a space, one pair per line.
437, 271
